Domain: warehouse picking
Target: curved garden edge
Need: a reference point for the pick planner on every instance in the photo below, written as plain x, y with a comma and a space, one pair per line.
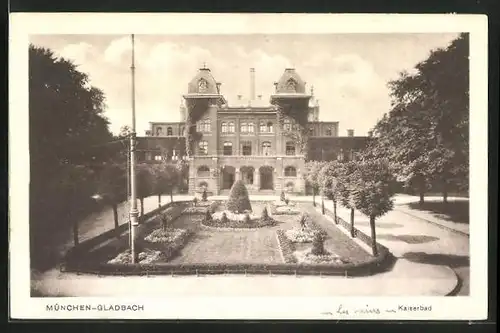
458, 284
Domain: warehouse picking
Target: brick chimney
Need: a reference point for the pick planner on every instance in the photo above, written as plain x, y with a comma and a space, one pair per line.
252, 84
350, 132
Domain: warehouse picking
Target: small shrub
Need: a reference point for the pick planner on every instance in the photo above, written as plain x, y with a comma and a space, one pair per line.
195, 201
224, 218
204, 195
208, 215
164, 221
246, 219
265, 214
287, 201
213, 207
282, 196
318, 244
303, 221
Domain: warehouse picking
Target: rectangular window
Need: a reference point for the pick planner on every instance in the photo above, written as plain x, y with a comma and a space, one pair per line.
246, 148
228, 148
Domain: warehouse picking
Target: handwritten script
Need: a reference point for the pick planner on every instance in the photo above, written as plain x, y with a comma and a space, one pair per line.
371, 310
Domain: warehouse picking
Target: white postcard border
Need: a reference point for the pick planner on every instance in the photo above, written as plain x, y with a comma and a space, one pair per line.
454, 308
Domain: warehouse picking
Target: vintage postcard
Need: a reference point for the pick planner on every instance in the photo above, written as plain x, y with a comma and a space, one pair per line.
248, 166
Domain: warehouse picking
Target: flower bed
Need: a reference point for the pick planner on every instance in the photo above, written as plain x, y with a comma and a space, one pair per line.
306, 257
165, 236
234, 216
148, 256
283, 209
298, 235
239, 224
287, 248
194, 210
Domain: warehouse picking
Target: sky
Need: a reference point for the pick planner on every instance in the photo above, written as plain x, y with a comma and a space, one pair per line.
349, 72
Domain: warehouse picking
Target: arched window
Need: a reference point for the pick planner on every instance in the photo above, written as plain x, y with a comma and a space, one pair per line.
228, 148
224, 127
169, 131
270, 127
328, 132
203, 171
246, 148
244, 128
231, 127
203, 185
159, 131
262, 127
202, 147
287, 125
289, 186
290, 148
251, 127
290, 171
266, 148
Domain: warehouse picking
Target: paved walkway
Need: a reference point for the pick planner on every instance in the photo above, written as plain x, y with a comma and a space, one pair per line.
426, 252
417, 241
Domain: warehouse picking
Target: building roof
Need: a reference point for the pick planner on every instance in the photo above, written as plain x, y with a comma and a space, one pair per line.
290, 83
203, 83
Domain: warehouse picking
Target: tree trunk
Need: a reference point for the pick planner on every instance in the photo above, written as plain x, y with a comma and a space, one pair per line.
323, 206
75, 232
142, 205
445, 192
171, 195
314, 197
115, 214
353, 231
335, 211
159, 200
374, 236
421, 192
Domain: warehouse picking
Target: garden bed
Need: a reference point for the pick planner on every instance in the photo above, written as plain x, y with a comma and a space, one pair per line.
206, 250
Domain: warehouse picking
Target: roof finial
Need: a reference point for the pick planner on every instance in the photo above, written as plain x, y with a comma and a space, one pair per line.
204, 65
312, 90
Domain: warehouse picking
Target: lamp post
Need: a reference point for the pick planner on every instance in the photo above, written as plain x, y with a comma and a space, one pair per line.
133, 190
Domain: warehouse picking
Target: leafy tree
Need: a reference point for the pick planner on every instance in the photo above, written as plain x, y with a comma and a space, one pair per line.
66, 113
345, 189
144, 183
112, 186
238, 200
165, 178
425, 134
311, 176
372, 192
328, 178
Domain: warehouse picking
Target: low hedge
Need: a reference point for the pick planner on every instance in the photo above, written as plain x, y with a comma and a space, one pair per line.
287, 247
377, 265
382, 250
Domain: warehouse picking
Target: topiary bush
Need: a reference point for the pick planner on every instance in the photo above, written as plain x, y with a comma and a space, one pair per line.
265, 214
282, 196
224, 218
208, 215
204, 195
195, 201
238, 201
318, 244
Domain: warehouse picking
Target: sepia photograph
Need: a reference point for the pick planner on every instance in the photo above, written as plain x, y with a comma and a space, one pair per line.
268, 167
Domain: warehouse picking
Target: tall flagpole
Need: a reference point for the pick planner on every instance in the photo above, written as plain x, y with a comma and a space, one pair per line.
133, 191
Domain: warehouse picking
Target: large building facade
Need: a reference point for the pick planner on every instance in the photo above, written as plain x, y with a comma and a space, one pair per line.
249, 140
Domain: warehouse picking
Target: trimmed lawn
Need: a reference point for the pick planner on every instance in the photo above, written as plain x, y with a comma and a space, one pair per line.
454, 211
